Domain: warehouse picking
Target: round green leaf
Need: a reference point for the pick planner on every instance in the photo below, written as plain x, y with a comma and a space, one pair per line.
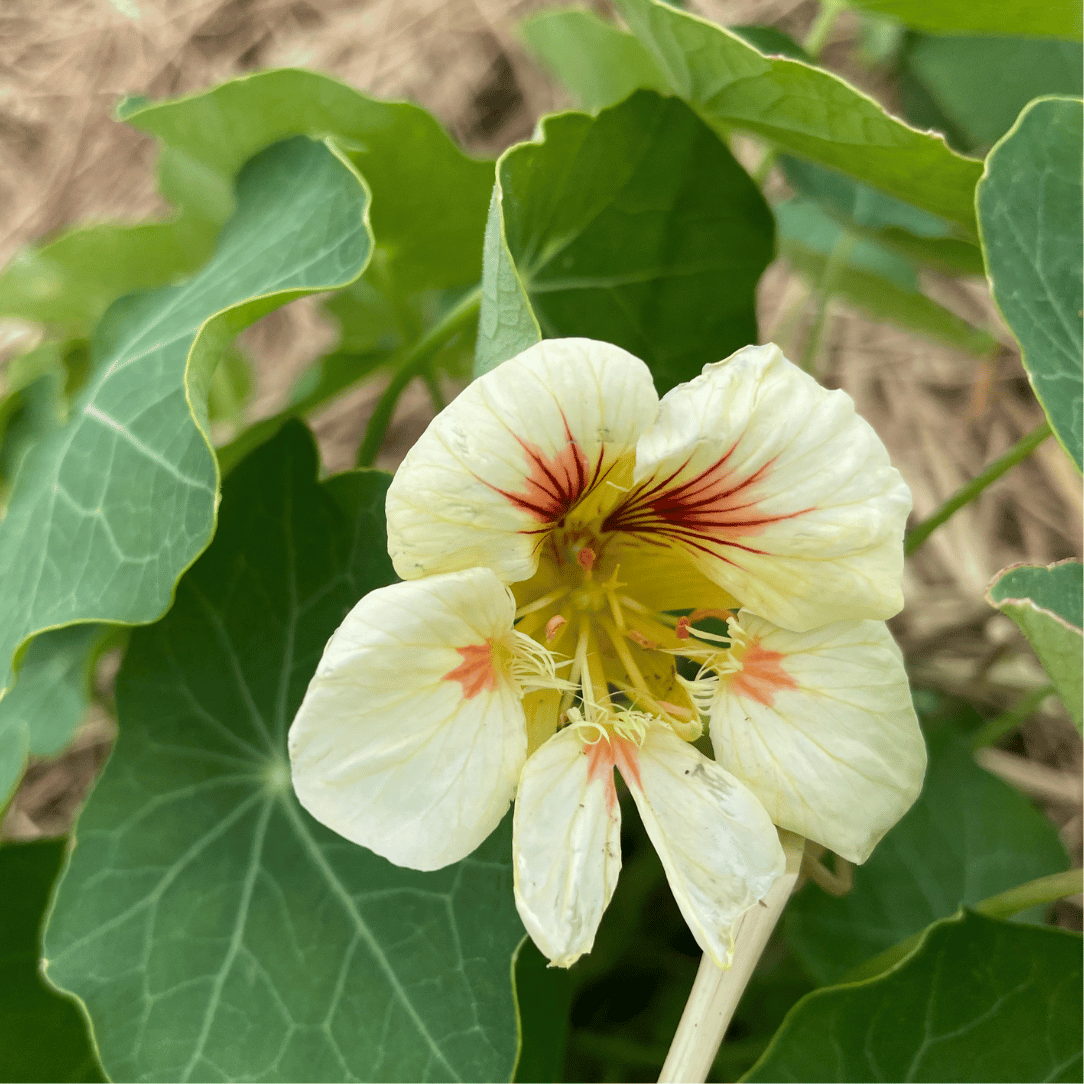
636, 227
109, 509
1029, 204
212, 928
978, 1000
802, 109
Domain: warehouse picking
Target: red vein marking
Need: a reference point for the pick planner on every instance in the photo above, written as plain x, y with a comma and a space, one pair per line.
554, 483
762, 675
710, 509
627, 756
476, 673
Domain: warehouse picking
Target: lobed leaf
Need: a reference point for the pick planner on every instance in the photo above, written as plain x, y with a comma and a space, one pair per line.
977, 1000
1029, 205
108, 510
213, 930
43, 1036
1046, 603
968, 837
636, 227
804, 110
428, 198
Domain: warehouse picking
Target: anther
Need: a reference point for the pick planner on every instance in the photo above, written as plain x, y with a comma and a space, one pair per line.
586, 558
681, 630
553, 627
639, 638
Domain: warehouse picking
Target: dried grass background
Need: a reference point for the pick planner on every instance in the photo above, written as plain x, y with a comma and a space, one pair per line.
943, 415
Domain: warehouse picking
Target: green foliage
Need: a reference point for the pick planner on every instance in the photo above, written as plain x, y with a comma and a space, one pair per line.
977, 1000
873, 278
1034, 18
210, 926
428, 198
968, 837
598, 62
605, 228
43, 1036
1029, 205
110, 508
973, 88
39, 716
804, 110
1046, 604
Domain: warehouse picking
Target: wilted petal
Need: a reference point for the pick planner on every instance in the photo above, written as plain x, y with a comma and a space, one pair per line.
777, 491
566, 844
717, 844
512, 454
821, 727
410, 738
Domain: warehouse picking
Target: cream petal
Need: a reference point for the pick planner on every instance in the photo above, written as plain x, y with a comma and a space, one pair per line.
512, 453
717, 844
832, 748
566, 844
409, 739
777, 490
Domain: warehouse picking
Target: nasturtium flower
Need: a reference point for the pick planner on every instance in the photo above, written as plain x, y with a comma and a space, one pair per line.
565, 538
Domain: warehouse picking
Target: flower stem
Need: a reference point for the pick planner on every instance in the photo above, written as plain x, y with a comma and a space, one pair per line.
834, 265
817, 37
1016, 454
716, 993
415, 363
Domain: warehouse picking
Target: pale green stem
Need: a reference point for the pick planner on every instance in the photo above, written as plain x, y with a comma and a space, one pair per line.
1016, 454
817, 37
1035, 893
1008, 721
415, 363
837, 258
1004, 905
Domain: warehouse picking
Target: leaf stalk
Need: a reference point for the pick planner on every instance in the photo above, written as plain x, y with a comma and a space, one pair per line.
1016, 454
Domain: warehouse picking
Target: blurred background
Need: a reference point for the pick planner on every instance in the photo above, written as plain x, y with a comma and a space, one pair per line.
943, 413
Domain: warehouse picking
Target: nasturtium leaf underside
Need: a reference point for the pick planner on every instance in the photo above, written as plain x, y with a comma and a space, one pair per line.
636, 227
110, 509
969, 836
802, 109
873, 278
1029, 204
39, 716
211, 927
1035, 18
428, 198
978, 1000
977, 86
43, 1036
1046, 602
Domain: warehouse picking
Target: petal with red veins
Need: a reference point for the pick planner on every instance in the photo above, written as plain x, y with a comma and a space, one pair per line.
514, 454
410, 737
717, 844
821, 727
775, 489
566, 844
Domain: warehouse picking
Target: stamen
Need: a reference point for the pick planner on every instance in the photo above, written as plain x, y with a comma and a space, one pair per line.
554, 626
586, 558
641, 640
540, 603
681, 630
